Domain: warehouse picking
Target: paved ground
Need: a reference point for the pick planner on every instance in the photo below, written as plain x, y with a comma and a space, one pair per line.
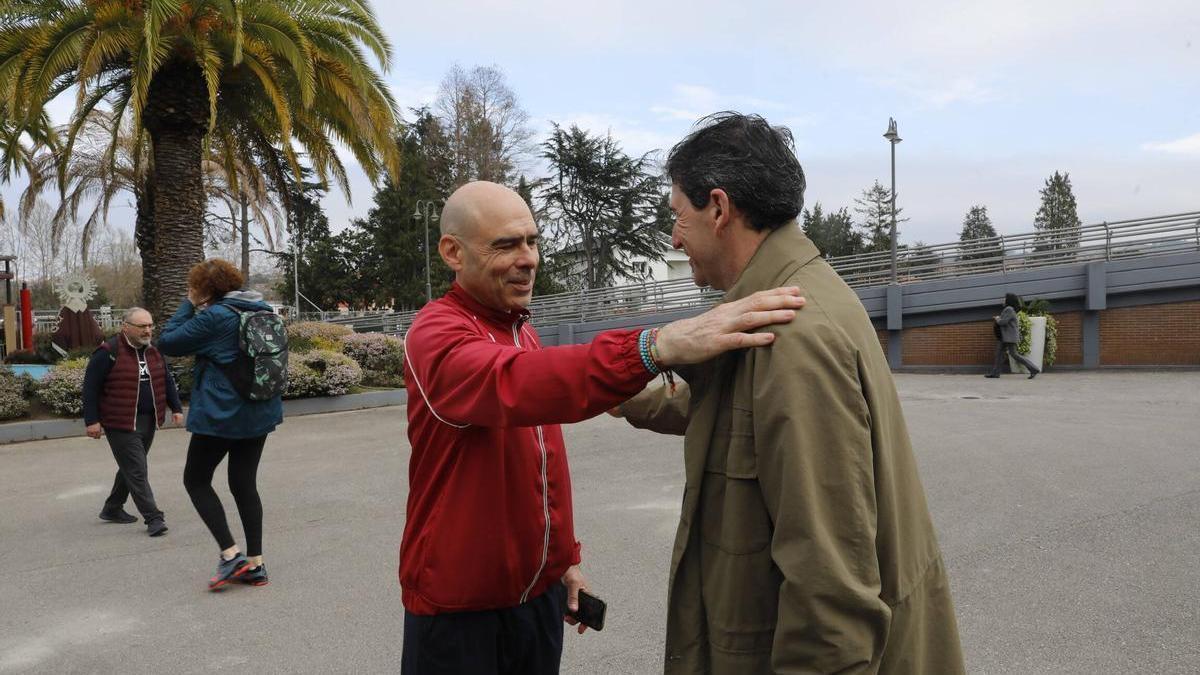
1067, 509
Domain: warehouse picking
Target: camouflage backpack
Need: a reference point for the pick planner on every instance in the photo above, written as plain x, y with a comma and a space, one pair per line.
259, 373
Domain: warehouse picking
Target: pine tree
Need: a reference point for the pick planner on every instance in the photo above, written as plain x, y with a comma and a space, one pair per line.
1057, 222
603, 204
875, 209
978, 239
834, 233
919, 260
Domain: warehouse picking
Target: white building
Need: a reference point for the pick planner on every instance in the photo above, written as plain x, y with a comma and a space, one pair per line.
674, 265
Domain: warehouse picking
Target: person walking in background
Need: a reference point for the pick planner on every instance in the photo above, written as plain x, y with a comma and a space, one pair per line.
127, 390
211, 325
1008, 334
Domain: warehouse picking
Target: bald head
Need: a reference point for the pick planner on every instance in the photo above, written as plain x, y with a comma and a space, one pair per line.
490, 240
481, 204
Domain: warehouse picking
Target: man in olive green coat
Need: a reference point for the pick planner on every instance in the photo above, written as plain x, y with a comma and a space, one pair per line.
805, 544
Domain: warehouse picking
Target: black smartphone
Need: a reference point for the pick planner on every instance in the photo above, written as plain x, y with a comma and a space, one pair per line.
591, 611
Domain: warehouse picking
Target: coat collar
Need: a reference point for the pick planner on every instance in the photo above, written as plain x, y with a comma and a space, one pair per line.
460, 296
783, 251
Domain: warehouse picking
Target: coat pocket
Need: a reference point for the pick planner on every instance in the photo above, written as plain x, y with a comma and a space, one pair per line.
734, 517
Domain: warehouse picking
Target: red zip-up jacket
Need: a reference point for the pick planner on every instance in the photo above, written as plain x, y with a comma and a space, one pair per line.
489, 521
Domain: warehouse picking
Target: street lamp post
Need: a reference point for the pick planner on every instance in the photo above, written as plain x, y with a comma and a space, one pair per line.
893, 138
427, 211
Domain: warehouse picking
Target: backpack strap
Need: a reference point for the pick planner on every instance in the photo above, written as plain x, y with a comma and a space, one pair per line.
111, 346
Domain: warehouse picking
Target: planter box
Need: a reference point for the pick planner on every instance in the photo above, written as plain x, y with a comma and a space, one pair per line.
1037, 345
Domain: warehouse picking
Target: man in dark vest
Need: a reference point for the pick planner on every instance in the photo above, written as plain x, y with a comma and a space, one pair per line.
126, 392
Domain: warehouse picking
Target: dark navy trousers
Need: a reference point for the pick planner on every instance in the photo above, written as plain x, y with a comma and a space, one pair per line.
522, 640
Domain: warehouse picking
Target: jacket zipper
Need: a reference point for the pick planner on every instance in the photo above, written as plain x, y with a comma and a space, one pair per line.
137, 394
150, 379
545, 487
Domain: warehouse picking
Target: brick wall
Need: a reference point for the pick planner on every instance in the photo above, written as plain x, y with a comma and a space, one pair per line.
1070, 339
954, 344
883, 339
1155, 335
1159, 335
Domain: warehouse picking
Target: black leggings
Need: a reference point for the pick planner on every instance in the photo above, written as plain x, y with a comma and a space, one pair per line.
204, 454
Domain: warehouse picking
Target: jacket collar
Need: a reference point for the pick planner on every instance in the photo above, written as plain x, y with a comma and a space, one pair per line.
783, 251
125, 339
460, 296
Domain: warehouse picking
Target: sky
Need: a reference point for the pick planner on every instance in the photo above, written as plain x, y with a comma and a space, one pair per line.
990, 98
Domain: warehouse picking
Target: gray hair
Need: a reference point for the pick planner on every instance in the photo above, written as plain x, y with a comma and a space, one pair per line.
131, 311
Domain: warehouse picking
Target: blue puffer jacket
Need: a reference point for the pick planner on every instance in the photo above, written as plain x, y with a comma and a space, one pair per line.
216, 409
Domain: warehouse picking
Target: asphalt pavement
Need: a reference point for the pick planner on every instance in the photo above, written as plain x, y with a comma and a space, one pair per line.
1067, 508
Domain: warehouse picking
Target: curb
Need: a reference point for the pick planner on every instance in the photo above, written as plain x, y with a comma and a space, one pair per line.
41, 430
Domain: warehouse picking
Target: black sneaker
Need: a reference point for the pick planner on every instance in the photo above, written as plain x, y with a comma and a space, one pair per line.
117, 515
228, 569
156, 528
255, 576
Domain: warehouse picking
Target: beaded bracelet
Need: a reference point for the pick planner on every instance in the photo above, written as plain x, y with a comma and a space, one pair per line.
644, 351
666, 372
653, 340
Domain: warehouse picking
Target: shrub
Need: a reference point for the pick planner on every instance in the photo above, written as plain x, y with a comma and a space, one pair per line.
380, 356
25, 357
184, 370
303, 336
321, 373
29, 386
62, 388
322, 343
14, 396
302, 381
43, 346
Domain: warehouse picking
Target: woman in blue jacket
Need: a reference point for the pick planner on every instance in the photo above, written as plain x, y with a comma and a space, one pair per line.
207, 326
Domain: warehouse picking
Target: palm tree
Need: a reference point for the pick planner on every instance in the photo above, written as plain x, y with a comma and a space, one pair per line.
267, 73
17, 156
91, 177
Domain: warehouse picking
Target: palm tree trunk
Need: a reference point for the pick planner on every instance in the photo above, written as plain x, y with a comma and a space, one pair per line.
176, 115
245, 238
143, 234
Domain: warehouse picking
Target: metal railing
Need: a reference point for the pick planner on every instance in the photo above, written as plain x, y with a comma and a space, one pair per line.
47, 321
1160, 235
1143, 237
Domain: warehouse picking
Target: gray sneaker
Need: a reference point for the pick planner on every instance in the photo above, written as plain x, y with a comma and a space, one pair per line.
156, 528
227, 570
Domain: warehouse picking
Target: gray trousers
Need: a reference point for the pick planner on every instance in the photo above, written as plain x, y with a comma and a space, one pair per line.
131, 449
1010, 349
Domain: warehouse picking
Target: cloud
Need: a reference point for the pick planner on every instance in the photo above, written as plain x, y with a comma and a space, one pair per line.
1189, 145
937, 94
690, 102
412, 92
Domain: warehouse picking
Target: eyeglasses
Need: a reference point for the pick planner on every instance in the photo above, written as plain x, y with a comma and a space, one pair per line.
139, 326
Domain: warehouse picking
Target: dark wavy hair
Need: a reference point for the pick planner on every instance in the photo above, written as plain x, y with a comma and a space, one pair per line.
1013, 300
214, 277
752, 161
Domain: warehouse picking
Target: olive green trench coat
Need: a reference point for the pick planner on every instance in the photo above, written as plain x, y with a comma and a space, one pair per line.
804, 543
